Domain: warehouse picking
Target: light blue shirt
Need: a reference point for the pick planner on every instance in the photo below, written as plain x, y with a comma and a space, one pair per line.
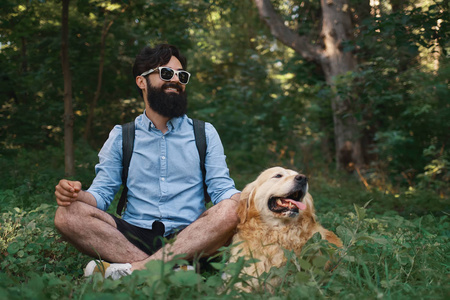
165, 182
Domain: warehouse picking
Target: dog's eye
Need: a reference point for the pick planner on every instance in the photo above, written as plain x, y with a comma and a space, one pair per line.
278, 176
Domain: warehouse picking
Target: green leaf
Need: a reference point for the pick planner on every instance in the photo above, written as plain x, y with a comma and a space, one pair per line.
319, 261
305, 265
349, 258
185, 278
316, 238
214, 281
380, 240
217, 266
344, 233
364, 238
302, 277
13, 248
360, 212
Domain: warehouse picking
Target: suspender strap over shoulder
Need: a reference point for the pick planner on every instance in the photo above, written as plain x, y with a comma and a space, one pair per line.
128, 133
200, 142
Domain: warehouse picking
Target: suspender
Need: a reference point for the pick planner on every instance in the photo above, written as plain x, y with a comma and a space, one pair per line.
128, 133
127, 150
200, 142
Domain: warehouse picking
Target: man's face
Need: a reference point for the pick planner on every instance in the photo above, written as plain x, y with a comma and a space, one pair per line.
167, 98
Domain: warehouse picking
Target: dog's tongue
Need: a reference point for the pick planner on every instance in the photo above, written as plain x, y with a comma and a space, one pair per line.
300, 205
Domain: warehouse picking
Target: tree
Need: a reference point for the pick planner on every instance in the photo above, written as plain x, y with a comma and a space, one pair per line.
69, 159
334, 61
107, 23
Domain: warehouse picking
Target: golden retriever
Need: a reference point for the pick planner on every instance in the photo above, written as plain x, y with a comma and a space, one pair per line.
276, 213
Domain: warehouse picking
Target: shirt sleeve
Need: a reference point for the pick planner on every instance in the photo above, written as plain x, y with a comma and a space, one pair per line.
108, 171
220, 185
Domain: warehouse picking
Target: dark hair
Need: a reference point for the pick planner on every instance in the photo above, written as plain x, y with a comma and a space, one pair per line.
150, 58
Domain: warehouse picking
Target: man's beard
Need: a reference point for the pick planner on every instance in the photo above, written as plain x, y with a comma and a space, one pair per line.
169, 104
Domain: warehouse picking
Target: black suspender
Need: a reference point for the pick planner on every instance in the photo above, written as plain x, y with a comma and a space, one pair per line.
200, 142
128, 133
127, 150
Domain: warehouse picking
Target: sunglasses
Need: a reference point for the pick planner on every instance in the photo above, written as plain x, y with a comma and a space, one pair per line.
166, 74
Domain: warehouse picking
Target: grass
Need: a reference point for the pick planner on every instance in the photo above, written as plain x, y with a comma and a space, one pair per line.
396, 246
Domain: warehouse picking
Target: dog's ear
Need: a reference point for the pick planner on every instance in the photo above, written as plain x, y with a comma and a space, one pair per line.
310, 210
244, 202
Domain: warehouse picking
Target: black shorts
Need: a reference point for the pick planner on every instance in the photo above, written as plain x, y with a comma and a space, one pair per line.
148, 240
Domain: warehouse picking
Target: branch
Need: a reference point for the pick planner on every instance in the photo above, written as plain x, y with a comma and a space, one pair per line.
285, 35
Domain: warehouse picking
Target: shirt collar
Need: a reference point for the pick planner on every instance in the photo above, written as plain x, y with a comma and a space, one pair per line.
172, 124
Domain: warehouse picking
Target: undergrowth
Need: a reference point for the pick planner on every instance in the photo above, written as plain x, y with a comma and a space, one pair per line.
395, 247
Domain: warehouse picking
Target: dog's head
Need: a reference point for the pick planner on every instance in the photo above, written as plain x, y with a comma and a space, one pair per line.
278, 196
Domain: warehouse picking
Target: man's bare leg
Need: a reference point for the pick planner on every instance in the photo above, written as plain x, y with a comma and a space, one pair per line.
89, 228
94, 232
203, 237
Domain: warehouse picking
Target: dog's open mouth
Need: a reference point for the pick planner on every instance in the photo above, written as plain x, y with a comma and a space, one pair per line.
291, 202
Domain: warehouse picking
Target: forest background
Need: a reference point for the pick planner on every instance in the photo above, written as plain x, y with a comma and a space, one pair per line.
355, 94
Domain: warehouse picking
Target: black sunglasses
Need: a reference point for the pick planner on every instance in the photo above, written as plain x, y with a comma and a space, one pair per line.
166, 74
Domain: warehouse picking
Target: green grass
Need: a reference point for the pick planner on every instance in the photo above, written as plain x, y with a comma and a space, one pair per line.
396, 246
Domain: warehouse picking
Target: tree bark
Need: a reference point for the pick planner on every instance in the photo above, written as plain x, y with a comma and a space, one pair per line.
336, 28
24, 54
69, 160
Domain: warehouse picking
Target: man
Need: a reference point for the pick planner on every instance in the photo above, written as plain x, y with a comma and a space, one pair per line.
165, 187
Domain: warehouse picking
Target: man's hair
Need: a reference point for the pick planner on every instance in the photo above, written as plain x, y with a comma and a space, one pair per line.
150, 58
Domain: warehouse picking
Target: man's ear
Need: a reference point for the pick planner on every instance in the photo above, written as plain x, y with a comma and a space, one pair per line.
141, 82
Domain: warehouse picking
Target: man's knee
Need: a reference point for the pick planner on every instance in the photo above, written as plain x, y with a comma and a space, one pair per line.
61, 218
65, 215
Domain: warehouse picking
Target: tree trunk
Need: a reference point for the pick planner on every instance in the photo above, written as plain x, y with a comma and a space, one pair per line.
336, 28
24, 94
93, 105
24, 68
69, 160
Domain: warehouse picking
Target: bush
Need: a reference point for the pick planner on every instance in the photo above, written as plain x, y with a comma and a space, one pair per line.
384, 255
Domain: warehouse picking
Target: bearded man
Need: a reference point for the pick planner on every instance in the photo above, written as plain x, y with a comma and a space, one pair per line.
165, 182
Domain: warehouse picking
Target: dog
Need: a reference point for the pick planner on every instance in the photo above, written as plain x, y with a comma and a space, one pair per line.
276, 213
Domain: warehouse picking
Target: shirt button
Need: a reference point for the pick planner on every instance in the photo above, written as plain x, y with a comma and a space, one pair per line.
163, 157
163, 179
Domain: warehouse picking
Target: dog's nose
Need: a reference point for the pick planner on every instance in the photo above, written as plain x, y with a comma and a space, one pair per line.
302, 179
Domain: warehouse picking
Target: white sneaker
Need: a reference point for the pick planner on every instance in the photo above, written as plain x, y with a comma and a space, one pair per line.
184, 268
115, 271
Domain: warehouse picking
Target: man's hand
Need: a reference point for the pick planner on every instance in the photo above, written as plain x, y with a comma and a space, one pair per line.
67, 192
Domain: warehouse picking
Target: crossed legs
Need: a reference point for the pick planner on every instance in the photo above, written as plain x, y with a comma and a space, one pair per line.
94, 233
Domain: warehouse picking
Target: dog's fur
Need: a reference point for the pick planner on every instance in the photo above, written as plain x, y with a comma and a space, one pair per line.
264, 234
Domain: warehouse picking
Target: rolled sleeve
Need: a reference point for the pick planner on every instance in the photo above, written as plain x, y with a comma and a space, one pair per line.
220, 185
109, 170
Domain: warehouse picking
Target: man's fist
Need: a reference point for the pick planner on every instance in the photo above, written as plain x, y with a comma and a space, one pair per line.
67, 192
